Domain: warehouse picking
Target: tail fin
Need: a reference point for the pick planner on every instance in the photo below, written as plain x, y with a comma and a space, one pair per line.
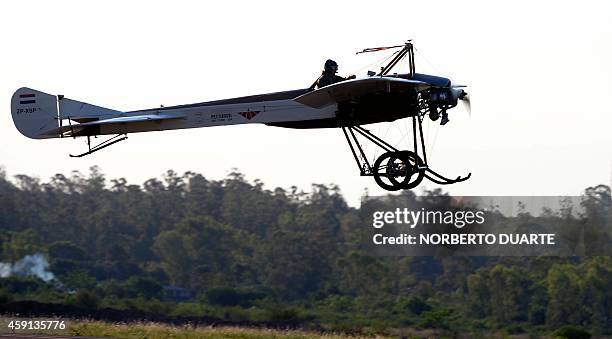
39, 115
34, 113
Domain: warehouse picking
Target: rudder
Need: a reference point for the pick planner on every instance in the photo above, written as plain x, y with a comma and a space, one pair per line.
35, 113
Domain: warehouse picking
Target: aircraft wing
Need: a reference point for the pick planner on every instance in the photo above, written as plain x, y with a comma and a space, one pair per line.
352, 89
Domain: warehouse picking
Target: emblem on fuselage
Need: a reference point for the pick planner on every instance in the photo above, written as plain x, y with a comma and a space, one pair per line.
249, 114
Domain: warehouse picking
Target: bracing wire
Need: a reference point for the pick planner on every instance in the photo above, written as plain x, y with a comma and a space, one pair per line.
433, 143
372, 150
376, 62
420, 54
401, 141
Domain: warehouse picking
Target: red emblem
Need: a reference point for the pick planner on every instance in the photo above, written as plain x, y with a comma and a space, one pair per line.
249, 114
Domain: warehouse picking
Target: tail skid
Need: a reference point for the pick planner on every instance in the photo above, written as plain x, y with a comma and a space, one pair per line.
104, 144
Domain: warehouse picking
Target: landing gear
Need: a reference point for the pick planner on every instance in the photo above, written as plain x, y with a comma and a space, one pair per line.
398, 170
395, 170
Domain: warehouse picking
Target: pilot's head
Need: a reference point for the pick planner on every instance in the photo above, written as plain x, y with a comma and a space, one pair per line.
331, 66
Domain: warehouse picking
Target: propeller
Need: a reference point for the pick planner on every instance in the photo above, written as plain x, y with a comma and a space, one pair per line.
460, 94
465, 98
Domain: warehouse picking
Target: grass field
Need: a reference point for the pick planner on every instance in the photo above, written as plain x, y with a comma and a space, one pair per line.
159, 331
148, 330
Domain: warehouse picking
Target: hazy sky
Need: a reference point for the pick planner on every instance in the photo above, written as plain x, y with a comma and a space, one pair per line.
540, 77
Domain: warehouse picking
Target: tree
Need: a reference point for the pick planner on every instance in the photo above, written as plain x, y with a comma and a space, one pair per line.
21, 244
598, 294
363, 275
66, 250
509, 294
479, 299
79, 279
174, 256
86, 299
143, 287
293, 265
564, 296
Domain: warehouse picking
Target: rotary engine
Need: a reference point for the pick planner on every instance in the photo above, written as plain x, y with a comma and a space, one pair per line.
436, 101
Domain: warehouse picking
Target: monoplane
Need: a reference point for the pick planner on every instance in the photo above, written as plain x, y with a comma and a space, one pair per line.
347, 105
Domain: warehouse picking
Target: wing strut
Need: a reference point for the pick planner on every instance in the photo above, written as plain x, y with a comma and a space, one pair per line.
104, 144
407, 49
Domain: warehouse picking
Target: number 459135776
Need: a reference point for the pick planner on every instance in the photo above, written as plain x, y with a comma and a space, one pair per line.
37, 325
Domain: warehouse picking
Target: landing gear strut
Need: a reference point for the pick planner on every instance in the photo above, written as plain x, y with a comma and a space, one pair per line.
395, 170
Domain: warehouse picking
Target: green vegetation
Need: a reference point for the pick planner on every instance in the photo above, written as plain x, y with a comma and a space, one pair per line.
160, 331
150, 330
251, 254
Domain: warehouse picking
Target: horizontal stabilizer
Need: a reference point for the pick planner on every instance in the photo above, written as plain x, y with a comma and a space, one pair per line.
77, 110
118, 120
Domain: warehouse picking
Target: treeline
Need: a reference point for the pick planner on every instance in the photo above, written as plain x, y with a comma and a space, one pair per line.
242, 248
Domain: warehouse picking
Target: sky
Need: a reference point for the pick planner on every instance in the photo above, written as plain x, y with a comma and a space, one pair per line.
539, 77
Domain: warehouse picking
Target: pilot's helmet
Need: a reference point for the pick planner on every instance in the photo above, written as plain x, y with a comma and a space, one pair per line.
331, 66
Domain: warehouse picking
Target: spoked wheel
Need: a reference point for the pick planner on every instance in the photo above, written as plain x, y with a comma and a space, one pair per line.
398, 170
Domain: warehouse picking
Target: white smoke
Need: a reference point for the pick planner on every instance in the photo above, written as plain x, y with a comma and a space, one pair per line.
5, 270
35, 265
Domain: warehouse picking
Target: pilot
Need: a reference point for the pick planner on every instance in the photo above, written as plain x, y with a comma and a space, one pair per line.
329, 74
